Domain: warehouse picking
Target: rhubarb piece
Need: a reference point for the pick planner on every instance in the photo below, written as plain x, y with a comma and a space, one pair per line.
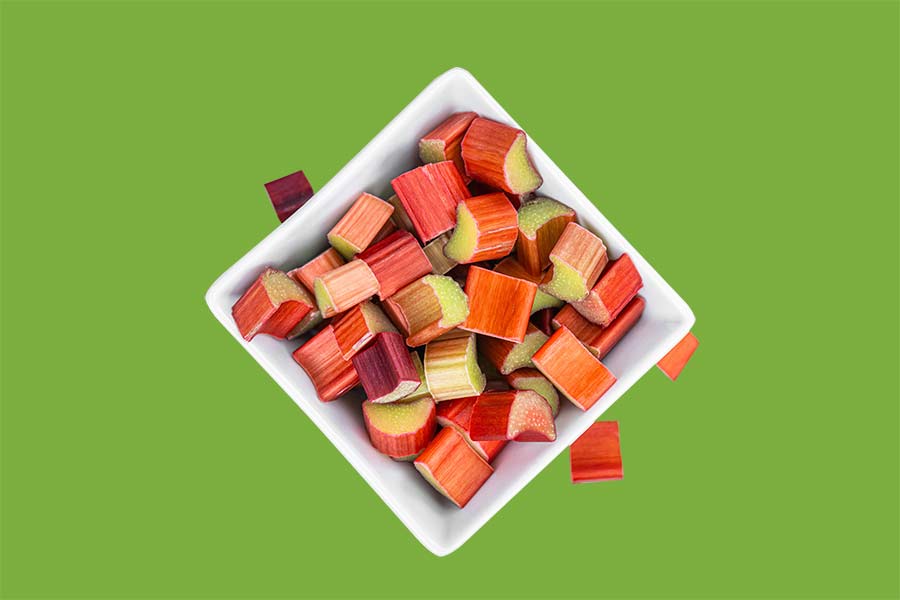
596, 455
400, 430
486, 229
519, 415
396, 261
289, 193
496, 154
429, 195
531, 379
434, 250
321, 264
321, 358
427, 308
508, 356
458, 415
451, 368
542, 300
273, 305
400, 218
543, 320
443, 142
343, 288
600, 340
454, 469
619, 284
499, 305
359, 225
573, 369
674, 362
359, 326
577, 260
385, 368
422, 390
541, 223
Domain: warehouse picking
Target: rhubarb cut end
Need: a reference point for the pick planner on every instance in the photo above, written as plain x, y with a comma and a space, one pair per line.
544, 300
461, 246
531, 419
566, 283
282, 288
398, 418
344, 247
521, 176
453, 300
521, 353
529, 379
323, 298
535, 214
431, 151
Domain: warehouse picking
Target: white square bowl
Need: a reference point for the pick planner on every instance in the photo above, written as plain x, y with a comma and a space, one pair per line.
439, 525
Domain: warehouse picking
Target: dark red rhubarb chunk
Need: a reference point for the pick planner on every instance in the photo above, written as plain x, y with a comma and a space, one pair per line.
289, 193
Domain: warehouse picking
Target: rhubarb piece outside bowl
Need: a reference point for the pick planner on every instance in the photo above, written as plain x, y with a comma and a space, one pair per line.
436, 523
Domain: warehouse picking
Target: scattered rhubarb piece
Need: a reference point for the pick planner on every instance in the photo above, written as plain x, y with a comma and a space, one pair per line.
596, 455
359, 326
520, 415
385, 368
321, 358
542, 300
400, 430
429, 195
427, 308
577, 260
531, 379
674, 362
422, 390
359, 225
600, 340
396, 261
443, 142
496, 154
321, 264
343, 288
541, 223
289, 193
454, 469
619, 284
499, 305
543, 320
573, 369
458, 415
274, 304
451, 368
486, 229
434, 250
508, 356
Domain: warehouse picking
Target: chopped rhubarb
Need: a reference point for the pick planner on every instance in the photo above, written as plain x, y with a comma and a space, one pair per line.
619, 284
434, 250
543, 320
289, 193
274, 305
542, 300
573, 369
577, 258
454, 469
508, 356
443, 142
458, 414
359, 225
427, 308
429, 195
531, 379
499, 305
596, 455
451, 368
422, 390
358, 326
486, 229
385, 368
496, 154
321, 358
321, 264
396, 261
674, 362
400, 430
519, 415
343, 288
600, 340
541, 223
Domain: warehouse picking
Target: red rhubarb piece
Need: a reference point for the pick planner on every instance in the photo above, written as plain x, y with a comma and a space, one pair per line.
674, 362
321, 264
615, 289
366, 219
573, 369
273, 305
396, 261
458, 414
400, 430
486, 229
289, 193
429, 195
443, 142
520, 415
385, 368
543, 320
496, 154
596, 455
358, 326
453, 467
600, 340
321, 358
499, 305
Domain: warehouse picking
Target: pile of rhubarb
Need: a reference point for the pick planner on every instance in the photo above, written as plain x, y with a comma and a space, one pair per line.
464, 306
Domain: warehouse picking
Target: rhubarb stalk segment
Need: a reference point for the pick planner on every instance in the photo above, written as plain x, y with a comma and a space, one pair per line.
343, 288
531, 379
359, 326
674, 362
444, 141
508, 356
321, 264
619, 284
289, 193
452, 467
359, 225
577, 258
434, 250
429, 195
451, 368
385, 369
274, 305
422, 390
458, 415
597, 455
600, 340
486, 229
510, 266
321, 358
400, 430
427, 308
573, 369
499, 305
541, 223
519, 415
495, 154
396, 261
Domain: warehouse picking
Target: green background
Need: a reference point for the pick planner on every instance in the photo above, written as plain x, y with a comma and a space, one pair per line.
749, 150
